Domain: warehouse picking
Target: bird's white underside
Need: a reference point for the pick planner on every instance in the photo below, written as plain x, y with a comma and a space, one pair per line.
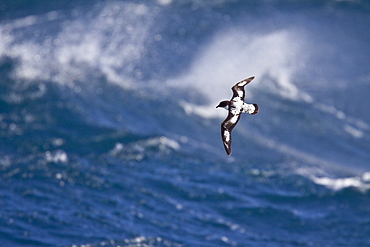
238, 106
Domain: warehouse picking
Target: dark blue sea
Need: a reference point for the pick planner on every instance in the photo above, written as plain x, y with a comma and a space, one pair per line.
109, 135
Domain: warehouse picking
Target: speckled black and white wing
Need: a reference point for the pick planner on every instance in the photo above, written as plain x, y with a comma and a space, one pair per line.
226, 127
236, 107
238, 88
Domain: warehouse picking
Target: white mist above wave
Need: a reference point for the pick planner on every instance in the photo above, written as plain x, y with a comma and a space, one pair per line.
110, 41
235, 55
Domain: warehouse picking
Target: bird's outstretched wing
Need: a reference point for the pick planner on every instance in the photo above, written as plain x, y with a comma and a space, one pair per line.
238, 88
226, 127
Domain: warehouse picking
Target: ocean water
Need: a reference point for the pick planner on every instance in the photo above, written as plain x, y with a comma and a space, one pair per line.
110, 135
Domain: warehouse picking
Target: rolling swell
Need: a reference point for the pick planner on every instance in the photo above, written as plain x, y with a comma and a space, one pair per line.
110, 136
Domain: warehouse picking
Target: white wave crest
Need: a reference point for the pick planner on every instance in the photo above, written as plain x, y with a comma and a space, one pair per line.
361, 183
320, 176
138, 150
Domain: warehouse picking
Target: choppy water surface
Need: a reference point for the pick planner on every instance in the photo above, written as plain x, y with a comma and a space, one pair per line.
110, 135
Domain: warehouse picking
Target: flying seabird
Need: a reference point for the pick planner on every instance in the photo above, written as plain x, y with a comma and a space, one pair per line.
236, 106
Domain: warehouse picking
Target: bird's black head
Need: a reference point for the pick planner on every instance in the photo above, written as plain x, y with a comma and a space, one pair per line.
223, 104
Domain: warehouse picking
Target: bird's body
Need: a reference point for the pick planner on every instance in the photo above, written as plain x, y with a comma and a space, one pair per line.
236, 106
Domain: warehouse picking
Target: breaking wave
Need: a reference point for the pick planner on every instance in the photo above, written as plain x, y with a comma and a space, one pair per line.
110, 135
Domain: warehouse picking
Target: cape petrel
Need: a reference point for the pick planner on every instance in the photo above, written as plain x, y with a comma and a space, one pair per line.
236, 106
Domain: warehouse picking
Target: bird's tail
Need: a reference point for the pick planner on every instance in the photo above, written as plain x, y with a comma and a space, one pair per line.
256, 108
